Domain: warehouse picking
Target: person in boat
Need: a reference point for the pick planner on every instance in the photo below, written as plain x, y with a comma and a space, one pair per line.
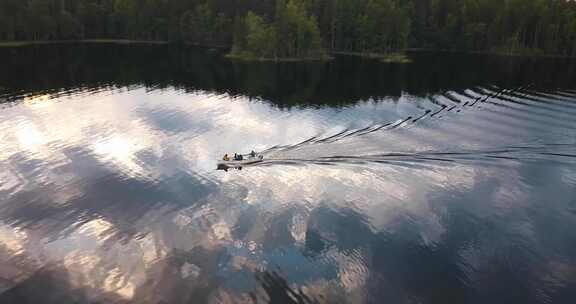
252, 154
226, 157
240, 157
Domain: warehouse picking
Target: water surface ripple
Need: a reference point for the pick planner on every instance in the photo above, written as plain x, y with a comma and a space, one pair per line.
449, 180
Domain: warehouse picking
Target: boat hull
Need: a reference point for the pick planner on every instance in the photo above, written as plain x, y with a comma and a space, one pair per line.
232, 164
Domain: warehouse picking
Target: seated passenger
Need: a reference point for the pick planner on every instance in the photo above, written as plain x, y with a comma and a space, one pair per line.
226, 157
253, 154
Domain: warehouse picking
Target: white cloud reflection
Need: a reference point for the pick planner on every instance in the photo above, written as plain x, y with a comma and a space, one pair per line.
155, 137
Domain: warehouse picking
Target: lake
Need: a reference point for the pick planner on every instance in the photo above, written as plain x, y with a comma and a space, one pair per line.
448, 180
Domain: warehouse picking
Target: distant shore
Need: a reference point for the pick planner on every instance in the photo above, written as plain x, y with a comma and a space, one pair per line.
112, 41
524, 53
395, 57
280, 59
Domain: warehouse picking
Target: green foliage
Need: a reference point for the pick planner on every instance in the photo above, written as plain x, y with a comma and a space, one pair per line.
304, 28
203, 26
257, 39
510, 26
298, 33
293, 34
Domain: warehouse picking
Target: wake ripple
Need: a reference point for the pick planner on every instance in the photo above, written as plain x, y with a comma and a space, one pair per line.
457, 105
549, 153
553, 109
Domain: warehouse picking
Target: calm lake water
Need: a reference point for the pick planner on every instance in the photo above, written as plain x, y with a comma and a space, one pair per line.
449, 180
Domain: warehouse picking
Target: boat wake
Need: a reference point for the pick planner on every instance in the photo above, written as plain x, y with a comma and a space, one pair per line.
548, 112
457, 105
562, 154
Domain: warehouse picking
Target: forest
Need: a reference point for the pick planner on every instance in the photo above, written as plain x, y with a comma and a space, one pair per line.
304, 28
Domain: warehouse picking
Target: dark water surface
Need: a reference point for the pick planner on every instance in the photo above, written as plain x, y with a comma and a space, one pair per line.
450, 180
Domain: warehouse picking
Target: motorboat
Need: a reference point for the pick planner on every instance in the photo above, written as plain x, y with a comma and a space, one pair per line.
235, 164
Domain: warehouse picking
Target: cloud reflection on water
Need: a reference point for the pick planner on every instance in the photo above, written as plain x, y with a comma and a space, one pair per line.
117, 196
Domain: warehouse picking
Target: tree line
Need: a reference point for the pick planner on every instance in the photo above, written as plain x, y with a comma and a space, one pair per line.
304, 28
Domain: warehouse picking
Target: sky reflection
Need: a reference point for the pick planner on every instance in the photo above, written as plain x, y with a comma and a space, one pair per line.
115, 194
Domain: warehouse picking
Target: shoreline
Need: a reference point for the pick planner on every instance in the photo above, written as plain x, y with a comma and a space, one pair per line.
287, 59
395, 57
8, 44
492, 53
